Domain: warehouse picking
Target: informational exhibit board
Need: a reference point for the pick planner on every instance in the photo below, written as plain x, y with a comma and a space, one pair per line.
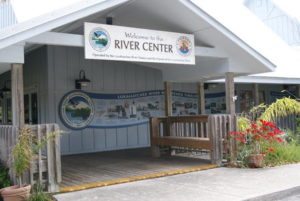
79, 110
215, 103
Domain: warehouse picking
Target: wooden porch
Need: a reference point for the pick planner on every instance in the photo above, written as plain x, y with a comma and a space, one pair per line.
177, 144
184, 144
106, 168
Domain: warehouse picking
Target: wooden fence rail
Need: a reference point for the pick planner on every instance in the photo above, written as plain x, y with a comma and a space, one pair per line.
8, 136
46, 166
209, 132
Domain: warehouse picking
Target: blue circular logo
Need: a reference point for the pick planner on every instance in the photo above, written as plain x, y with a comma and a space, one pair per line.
99, 39
76, 110
184, 46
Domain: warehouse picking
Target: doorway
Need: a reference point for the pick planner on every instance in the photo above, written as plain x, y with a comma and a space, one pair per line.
31, 108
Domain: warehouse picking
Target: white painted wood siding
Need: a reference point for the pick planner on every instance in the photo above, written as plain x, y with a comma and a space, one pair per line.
286, 27
7, 14
106, 77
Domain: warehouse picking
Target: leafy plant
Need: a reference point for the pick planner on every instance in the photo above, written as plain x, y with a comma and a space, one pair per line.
281, 108
38, 194
4, 177
22, 153
253, 138
257, 134
27, 146
243, 123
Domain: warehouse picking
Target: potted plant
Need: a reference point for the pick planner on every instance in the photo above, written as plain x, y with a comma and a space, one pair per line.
23, 153
255, 141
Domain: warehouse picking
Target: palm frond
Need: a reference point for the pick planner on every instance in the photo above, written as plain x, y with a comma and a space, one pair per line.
281, 108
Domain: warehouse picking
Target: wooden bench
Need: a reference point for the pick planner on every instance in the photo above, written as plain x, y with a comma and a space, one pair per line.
186, 142
202, 132
184, 132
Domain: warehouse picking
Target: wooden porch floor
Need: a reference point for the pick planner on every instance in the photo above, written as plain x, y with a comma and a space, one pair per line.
105, 166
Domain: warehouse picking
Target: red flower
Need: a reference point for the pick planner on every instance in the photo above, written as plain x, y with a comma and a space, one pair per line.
271, 150
280, 140
263, 131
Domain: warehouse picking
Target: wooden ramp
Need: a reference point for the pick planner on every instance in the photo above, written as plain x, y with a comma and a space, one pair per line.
85, 171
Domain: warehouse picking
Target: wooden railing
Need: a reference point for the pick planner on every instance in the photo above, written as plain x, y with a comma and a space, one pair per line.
208, 132
8, 136
46, 166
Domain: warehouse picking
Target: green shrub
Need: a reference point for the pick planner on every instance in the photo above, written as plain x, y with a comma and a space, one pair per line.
4, 177
283, 154
243, 123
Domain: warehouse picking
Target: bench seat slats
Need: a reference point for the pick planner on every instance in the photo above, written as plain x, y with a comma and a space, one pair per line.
190, 142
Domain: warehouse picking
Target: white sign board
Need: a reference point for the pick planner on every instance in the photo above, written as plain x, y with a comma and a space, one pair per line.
108, 42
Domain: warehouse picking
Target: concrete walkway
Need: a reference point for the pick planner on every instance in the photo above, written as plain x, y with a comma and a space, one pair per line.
224, 184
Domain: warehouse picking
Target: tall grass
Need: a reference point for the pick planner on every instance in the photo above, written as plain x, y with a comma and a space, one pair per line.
284, 153
38, 194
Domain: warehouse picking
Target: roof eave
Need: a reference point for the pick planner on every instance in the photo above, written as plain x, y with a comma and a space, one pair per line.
53, 20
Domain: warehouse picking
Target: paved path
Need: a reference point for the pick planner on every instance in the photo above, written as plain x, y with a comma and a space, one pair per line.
221, 184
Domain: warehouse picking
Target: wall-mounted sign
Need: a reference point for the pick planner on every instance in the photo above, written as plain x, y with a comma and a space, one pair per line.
80, 110
108, 42
77, 110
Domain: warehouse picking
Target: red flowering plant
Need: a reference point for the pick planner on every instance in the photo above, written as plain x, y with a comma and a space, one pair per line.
257, 138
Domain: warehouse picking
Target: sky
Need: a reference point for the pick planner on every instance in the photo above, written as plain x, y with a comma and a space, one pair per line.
27, 9
291, 7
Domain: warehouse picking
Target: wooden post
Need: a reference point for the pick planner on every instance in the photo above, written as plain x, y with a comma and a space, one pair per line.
256, 94
154, 130
17, 95
230, 108
168, 99
168, 111
229, 89
201, 98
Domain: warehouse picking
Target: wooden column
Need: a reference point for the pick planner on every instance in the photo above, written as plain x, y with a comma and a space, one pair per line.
201, 98
229, 89
17, 95
230, 108
168, 98
168, 111
256, 94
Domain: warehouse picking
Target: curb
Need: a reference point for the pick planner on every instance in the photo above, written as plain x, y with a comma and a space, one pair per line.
277, 195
